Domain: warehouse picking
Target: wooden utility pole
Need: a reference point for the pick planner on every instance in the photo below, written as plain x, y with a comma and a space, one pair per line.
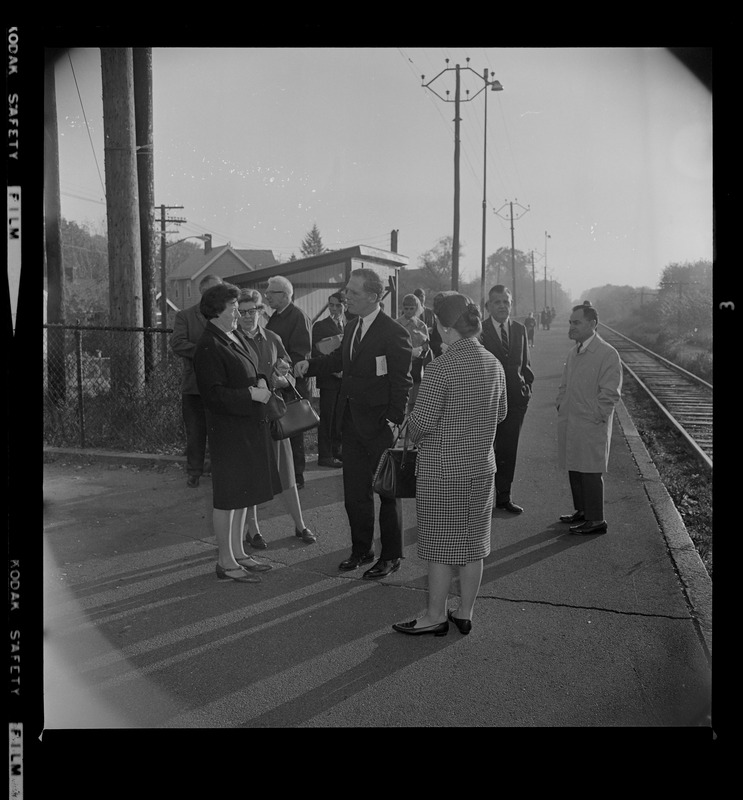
513, 254
146, 186
56, 379
122, 209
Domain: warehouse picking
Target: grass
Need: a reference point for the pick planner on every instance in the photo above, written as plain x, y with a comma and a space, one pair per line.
688, 482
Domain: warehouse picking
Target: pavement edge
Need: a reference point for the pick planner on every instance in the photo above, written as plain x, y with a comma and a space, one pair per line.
695, 579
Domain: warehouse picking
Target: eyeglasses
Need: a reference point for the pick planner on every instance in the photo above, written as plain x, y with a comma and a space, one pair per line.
244, 311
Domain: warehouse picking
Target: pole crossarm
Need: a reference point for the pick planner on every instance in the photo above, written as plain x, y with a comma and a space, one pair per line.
496, 86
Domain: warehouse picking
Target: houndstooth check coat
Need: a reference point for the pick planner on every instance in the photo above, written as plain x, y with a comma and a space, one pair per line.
462, 399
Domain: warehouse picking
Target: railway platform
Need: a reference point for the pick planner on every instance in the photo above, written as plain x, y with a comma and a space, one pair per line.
609, 631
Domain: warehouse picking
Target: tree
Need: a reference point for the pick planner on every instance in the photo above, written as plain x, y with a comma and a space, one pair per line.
85, 258
312, 243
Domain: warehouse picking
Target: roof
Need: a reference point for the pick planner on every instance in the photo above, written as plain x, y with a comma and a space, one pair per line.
198, 262
289, 268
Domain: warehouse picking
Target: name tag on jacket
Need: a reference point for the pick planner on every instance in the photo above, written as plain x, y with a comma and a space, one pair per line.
381, 365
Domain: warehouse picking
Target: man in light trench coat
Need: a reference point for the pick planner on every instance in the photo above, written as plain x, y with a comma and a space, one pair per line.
589, 390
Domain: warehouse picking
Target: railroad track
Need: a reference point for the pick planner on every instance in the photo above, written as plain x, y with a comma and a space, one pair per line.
685, 399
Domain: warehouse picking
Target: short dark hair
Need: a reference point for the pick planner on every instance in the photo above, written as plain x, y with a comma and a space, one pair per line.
339, 296
371, 280
214, 300
589, 312
499, 288
419, 293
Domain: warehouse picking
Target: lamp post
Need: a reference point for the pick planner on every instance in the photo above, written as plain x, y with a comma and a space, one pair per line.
495, 86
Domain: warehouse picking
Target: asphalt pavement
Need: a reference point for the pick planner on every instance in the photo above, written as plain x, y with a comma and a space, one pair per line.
612, 630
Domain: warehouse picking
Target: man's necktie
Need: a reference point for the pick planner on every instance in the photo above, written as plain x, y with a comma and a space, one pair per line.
580, 344
357, 338
504, 337
339, 326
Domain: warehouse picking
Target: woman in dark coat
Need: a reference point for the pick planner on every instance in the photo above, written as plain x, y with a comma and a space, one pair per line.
273, 361
234, 392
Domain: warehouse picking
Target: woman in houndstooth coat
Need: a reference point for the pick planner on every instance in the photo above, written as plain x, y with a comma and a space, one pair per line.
462, 399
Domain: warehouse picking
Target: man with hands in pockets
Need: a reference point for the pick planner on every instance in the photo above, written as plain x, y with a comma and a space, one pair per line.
375, 358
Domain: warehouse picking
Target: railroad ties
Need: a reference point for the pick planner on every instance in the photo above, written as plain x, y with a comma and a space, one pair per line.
685, 399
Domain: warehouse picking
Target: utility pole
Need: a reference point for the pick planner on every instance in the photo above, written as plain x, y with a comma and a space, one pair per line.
122, 211
146, 186
513, 257
495, 86
163, 288
546, 236
55, 279
533, 284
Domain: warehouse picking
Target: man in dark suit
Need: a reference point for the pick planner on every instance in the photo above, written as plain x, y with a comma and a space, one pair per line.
375, 358
329, 332
293, 326
506, 340
188, 326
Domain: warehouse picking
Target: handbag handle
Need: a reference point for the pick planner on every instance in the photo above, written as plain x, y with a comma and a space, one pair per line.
404, 433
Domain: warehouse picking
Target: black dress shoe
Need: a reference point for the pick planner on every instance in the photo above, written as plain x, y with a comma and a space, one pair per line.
382, 568
240, 575
305, 535
258, 542
354, 562
588, 528
464, 626
252, 565
577, 516
409, 627
509, 506
193, 481
329, 462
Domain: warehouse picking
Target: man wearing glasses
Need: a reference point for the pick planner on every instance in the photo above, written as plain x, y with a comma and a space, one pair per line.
293, 326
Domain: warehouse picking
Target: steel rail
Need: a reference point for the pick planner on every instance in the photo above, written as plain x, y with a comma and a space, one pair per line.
667, 384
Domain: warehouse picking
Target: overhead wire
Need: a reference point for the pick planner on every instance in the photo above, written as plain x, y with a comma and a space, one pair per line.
87, 126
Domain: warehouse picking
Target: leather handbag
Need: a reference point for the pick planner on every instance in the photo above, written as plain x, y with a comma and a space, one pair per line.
395, 475
298, 417
275, 408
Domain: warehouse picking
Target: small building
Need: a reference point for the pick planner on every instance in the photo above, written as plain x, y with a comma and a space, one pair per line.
183, 282
315, 278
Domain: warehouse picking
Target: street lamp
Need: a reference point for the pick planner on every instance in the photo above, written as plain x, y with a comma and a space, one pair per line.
495, 86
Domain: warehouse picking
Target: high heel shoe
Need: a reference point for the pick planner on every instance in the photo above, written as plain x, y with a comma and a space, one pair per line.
252, 565
409, 627
240, 578
464, 626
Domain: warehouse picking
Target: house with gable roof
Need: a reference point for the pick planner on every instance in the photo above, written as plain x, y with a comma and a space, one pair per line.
224, 261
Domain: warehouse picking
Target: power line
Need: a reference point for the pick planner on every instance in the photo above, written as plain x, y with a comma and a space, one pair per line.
87, 127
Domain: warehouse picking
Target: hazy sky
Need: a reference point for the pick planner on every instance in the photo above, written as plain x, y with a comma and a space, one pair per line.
610, 149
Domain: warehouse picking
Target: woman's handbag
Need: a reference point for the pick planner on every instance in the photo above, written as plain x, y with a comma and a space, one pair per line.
395, 475
275, 407
298, 417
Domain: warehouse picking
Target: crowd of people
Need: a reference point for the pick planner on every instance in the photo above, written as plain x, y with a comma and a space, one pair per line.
461, 386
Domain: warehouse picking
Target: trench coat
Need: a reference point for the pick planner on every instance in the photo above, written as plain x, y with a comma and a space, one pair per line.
589, 391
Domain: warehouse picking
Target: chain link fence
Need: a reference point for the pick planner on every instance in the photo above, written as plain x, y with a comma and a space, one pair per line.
114, 388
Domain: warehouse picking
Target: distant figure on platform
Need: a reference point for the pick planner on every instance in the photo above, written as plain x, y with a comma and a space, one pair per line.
506, 340
292, 325
589, 391
188, 326
375, 360
530, 324
426, 314
420, 339
544, 318
327, 334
